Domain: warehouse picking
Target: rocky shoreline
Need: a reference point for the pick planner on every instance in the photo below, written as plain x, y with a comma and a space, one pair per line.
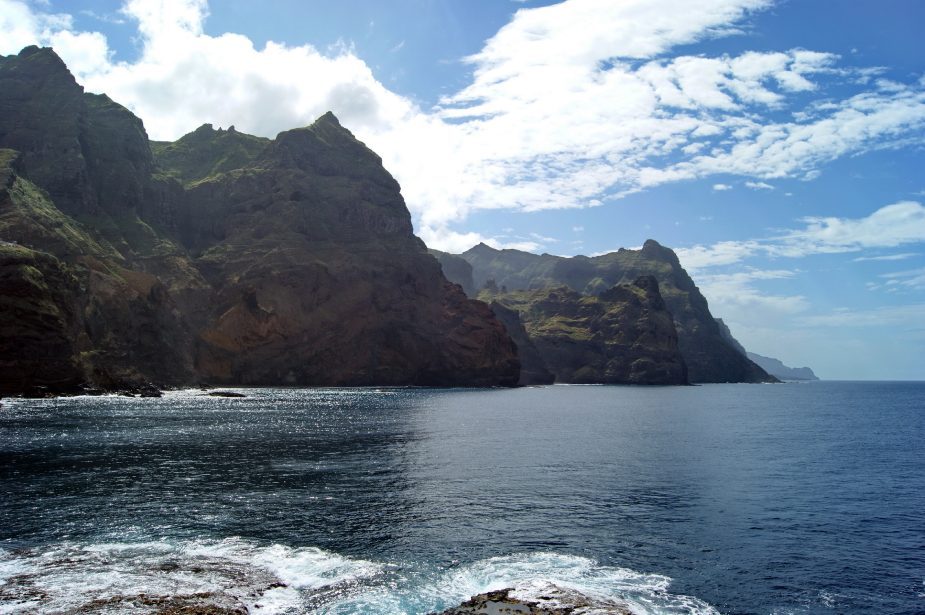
545, 599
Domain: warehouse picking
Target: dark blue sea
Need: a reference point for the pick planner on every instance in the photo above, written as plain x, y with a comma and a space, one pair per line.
771, 499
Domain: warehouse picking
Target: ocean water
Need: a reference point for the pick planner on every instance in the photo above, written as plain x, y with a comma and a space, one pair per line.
774, 499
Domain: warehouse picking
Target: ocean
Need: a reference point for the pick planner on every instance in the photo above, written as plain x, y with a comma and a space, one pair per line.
770, 499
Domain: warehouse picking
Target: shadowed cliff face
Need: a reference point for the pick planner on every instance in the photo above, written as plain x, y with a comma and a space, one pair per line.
709, 357
625, 335
229, 258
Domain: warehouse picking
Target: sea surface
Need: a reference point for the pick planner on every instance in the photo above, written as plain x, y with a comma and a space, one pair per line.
772, 499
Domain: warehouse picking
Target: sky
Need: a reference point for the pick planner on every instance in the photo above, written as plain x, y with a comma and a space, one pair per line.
777, 146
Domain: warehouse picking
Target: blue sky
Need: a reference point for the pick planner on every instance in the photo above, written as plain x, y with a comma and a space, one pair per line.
777, 146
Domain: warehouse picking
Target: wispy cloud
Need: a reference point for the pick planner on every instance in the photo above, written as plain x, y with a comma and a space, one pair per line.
891, 226
886, 257
759, 186
913, 279
736, 296
907, 316
721, 187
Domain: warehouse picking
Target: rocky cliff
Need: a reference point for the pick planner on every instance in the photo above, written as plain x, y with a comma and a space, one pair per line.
624, 335
456, 269
776, 368
221, 257
708, 356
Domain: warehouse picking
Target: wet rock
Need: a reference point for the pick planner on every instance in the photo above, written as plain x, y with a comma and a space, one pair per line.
546, 599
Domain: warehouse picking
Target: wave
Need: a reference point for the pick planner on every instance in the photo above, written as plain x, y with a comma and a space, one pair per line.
239, 574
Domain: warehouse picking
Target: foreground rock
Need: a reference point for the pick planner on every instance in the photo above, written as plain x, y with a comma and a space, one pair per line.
546, 600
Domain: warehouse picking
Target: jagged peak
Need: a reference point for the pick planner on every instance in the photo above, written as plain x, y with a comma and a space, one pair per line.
481, 247
35, 50
45, 55
328, 118
42, 61
656, 251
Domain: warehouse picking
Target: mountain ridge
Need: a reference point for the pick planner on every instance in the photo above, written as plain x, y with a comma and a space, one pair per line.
708, 356
286, 261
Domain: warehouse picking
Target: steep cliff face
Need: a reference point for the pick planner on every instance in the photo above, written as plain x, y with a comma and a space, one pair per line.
457, 270
533, 369
39, 325
708, 356
320, 280
227, 258
70, 303
624, 335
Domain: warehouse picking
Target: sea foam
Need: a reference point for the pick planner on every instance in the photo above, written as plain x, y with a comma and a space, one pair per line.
237, 573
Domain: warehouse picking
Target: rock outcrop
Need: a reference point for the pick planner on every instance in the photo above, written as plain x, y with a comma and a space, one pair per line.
220, 258
708, 356
624, 335
547, 599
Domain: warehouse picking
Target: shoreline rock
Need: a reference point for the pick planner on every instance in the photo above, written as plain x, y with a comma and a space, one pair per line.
546, 599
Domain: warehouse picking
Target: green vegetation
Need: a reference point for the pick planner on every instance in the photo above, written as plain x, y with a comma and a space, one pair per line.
205, 153
31, 217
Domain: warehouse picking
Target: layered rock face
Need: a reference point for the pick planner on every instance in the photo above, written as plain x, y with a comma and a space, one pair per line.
533, 369
624, 335
708, 356
226, 258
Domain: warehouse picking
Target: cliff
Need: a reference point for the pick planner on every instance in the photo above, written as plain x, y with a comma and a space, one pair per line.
457, 270
777, 369
774, 367
708, 356
624, 335
221, 257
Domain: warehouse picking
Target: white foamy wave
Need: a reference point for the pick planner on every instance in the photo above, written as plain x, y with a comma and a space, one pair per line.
121, 577
529, 574
239, 574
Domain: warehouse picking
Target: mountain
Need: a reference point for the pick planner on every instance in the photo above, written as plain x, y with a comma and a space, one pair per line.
623, 335
776, 368
218, 258
708, 356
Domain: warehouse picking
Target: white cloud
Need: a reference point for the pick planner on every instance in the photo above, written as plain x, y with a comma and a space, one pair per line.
735, 296
888, 227
906, 316
886, 257
759, 186
913, 279
721, 187
891, 226
720, 253
569, 104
